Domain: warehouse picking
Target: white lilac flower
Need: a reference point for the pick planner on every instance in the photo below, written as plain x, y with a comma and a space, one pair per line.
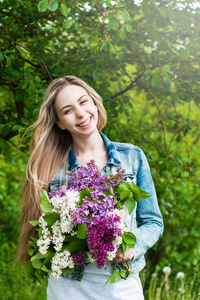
59, 262
166, 270
65, 203
44, 241
180, 275
66, 225
57, 236
111, 254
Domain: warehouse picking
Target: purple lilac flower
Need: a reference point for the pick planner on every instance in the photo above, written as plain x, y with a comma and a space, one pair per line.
60, 192
93, 180
78, 258
100, 238
95, 211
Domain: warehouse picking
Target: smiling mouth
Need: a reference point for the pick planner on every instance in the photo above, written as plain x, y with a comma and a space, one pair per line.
85, 123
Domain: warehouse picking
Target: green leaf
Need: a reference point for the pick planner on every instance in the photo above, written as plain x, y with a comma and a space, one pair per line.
47, 259
37, 263
74, 244
144, 194
164, 44
44, 202
111, 48
135, 191
123, 247
40, 277
32, 244
53, 5
64, 10
43, 5
51, 218
123, 274
37, 78
25, 121
67, 24
167, 79
38, 256
130, 205
114, 277
18, 128
34, 223
111, 191
30, 251
128, 28
84, 193
85, 36
44, 268
123, 16
122, 33
34, 240
185, 54
67, 271
3, 144
129, 238
81, 232
32, 89
113, 24
155, 81
122, 187
8, 61
28, 269
124, 194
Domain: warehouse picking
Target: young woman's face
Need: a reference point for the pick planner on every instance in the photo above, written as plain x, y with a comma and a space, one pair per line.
76, 111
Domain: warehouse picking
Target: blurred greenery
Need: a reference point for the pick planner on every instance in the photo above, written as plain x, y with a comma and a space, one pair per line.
143, 58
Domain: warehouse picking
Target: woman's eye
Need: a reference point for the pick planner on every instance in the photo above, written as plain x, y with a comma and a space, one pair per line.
83, 101
67, 111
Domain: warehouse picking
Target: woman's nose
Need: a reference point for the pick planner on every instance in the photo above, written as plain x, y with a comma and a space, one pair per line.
79, 111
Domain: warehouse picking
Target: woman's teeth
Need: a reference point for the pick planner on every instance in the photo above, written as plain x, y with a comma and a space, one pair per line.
86, 123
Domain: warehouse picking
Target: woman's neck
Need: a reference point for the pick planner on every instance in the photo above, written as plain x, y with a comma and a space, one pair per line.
92, 147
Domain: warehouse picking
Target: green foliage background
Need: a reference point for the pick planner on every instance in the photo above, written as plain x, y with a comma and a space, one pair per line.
143, 58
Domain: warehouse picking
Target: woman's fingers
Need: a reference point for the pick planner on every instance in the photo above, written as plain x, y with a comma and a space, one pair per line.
128, 255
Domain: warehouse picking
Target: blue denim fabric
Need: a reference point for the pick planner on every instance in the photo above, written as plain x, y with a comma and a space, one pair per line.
146, 220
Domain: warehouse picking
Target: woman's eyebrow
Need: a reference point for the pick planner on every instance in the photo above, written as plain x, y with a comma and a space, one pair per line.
70, 104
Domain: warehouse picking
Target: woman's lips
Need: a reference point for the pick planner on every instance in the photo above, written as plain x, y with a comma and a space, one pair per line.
85, 123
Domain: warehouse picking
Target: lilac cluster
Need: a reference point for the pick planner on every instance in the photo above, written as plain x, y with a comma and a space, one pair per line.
91, 178
100, 237
96, 210
93, 209
60, 192
78, 258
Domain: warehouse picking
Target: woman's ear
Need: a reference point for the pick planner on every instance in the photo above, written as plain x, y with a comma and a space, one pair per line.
60, 125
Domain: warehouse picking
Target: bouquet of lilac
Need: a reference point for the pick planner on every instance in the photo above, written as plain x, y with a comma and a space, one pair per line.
82, 223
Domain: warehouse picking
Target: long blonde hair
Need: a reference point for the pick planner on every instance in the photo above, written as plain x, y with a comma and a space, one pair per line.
49, 149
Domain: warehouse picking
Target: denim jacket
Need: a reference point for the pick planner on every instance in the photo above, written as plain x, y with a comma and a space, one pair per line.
146, 220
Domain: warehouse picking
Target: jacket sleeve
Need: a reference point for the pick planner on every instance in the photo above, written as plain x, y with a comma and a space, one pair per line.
148, 215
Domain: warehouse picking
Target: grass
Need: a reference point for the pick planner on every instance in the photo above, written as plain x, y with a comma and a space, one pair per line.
169, 287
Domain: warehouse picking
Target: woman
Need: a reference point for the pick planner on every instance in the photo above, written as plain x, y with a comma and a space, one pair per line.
67, 130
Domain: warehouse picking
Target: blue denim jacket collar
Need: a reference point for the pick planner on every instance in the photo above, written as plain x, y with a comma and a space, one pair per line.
113, 157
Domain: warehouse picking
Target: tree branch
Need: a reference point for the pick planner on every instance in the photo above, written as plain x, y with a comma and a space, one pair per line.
18, 148
130, 86
161, 119
18, 44
99, 9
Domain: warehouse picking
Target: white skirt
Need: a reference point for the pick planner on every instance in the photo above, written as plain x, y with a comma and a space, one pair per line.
92, 286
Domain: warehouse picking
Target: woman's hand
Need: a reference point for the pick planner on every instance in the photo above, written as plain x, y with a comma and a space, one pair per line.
128, 255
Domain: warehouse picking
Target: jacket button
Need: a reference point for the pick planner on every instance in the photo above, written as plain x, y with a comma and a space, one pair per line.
107, 169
